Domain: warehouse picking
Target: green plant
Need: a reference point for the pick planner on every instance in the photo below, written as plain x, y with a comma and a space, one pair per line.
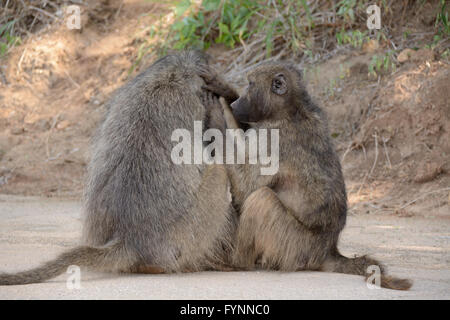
406, 34
331, 89
346, 9
7, 40
446, 54
442, 21
343, 72
216, 21
384, 62
356, 38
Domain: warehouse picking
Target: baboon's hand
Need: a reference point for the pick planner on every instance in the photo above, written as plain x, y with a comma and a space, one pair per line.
215, 84
209, 100
208, 74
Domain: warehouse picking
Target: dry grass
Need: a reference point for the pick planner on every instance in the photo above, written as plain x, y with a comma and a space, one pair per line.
21, 18
307, 32
29, 15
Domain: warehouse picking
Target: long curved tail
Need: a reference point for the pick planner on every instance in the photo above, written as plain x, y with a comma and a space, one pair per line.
360, 266
80, 256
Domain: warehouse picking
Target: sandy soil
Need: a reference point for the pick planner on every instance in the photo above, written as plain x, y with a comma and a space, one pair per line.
33, 230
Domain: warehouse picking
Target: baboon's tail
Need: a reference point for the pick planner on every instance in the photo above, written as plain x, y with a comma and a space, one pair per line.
80, 256
359, 266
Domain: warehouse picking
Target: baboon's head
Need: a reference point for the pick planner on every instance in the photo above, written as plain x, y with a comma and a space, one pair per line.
271, 93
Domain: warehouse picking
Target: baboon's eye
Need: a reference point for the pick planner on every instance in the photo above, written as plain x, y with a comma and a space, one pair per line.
279, 85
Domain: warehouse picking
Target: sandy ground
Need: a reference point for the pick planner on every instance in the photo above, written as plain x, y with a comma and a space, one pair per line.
33, 230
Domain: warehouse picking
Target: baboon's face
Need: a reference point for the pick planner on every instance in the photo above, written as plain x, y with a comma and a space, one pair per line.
267, 95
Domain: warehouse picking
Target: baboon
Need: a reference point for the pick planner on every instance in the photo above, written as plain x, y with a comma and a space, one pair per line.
142, 212
292, 220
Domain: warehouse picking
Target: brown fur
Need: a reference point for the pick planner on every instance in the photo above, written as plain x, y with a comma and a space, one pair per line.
143, 213
291, 220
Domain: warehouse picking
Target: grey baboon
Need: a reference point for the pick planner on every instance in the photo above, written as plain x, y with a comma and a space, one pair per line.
291, 220
143, 213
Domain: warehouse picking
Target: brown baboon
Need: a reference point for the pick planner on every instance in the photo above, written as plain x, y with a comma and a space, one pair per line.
143, 213
292, 219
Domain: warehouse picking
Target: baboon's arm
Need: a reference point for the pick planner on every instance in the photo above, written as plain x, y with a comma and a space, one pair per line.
231, 123
224, 90
228, 115
315, 213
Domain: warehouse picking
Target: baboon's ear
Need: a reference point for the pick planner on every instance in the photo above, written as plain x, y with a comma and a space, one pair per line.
279, 84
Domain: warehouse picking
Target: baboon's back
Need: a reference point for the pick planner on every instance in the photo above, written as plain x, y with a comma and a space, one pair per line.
135, 191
